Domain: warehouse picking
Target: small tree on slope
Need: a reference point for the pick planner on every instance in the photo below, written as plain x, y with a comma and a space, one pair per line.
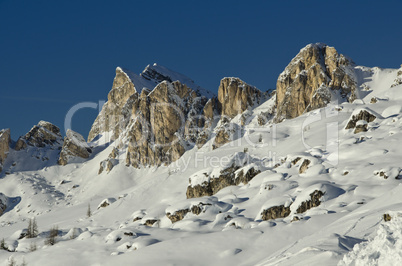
32, 230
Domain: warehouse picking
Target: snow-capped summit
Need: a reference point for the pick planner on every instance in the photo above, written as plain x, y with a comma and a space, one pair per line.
158, 73
154, 74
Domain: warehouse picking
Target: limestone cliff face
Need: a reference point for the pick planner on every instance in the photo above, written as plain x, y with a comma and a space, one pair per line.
166, 122
128, 88
157, 115
74, 146
235, 96
117, 108
211, 114
43, 134
311, 78
4, 145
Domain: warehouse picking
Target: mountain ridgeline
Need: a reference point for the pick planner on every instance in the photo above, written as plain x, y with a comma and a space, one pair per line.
155, 117
171, 169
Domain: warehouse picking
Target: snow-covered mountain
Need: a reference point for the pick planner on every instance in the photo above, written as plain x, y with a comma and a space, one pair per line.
174, 175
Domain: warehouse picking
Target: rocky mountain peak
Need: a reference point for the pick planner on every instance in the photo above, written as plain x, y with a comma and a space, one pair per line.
127, 88
151, 73
42, 134
314, 75
152, 114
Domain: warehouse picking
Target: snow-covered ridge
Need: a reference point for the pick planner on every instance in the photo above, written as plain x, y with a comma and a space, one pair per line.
154, 74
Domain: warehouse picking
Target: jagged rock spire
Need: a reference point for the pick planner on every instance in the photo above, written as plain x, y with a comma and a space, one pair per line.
311, 79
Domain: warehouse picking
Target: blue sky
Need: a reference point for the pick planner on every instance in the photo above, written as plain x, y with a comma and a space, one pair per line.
55, 54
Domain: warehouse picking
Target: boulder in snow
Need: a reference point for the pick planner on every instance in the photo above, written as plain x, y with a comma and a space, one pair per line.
74, 146
240, 169
359, 121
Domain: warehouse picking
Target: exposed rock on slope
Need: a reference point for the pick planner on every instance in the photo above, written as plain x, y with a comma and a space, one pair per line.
211, 114
43, 134
304, 166
359, 121
165, 123
314, 201
127, 87
235, 96
74, 146
3, 203
179, 215
4, 145
275, 212
110, 162
237, 171
398, 79
117, 108
283, 211
157, 114
309, 80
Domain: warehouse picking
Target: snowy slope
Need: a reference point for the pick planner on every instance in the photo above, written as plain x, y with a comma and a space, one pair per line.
229, 229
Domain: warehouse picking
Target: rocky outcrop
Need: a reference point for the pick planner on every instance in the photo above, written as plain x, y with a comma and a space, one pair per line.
110, 162
116, 110
235, 96
275, 212
387, 217
360, 121
5, 140
167, 121
283, 211
303, 167
398, 79
3, 203
314, 201
157, 114
74, 146
106, 202
150, 222
127, 88
231, 175
43, 134
361, 126
199, 208
311, 78
177, 215
222, 137
211, 114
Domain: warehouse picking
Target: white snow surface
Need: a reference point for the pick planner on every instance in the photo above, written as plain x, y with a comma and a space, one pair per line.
346, 228
385, 248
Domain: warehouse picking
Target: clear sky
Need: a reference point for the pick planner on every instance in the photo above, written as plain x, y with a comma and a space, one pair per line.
55, 54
